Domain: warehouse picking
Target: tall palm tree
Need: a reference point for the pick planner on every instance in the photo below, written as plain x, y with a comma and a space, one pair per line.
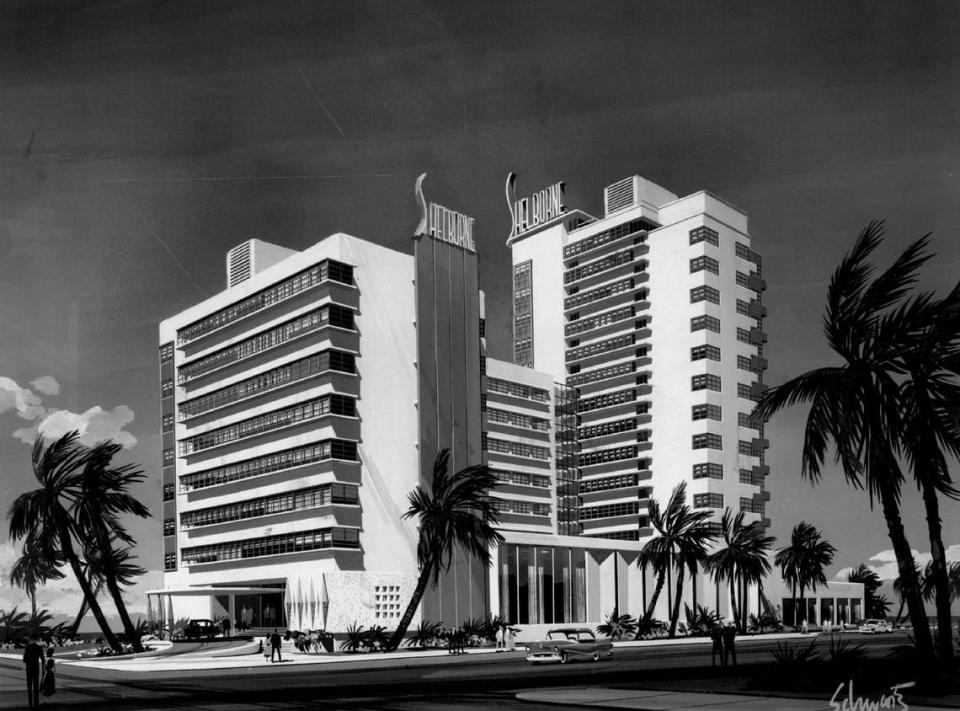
856, 405
871, 583
103, 496
43, 516
742, 561
802, 562
930, 398
454, 510
683, 537
31, 570
900, 591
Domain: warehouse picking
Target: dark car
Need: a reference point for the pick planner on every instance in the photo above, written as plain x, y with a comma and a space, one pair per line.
196, 629
566, 643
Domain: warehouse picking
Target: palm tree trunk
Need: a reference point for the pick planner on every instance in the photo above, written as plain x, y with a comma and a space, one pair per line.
941, 582
33, 602
669, 588
903, 601
908, 576
803, 607
734, 608
411, 608
110, 579
653, 600
66, 546
796, 607
744, 607
675, 614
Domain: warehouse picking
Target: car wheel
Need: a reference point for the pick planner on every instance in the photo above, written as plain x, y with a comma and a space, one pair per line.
596, 656
563, 657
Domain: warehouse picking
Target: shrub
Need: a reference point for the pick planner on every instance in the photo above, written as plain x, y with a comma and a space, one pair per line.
425, 635
617, 626
700, 621
355, 639
791, 656
376, 638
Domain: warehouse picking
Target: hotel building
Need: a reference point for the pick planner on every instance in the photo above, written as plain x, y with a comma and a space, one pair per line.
304, 402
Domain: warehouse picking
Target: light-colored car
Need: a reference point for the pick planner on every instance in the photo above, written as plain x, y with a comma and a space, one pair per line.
875, 627
566, 643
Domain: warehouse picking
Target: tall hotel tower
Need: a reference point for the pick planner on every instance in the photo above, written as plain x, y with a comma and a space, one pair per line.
653, 313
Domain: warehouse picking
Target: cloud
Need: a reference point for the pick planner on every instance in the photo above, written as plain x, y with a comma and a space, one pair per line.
94, 425
27, 404
884, 563
46, 385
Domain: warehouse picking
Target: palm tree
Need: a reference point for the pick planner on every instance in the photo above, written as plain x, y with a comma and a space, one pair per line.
871, 583
31, 570
856, 405
104, 495
930, 398
742, 561
898, 589
682, 540
43, 517
802, 562
454, 510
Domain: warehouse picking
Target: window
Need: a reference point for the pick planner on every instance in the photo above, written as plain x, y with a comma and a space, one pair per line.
626, 508
745, 420
747, 505
743, 251
333, 404
483, 365
746, 392
704, 234
708, 501
621, 481
588, 324
617, 397
166, 423
329, 315
601, 238
168, 456
748, 477
611, 261
327, 449
327, 269
709, 323
516, 449
707, 440
598, 347
643, 408
602, 456
705, 293
704, 263
522, 314
506, 387
483, 327
746, 448
522, 478
743, 307
603, 292
296, 500
298, 542
743, 335
707, 412
707, 381
743, 280
708, 470
607, 428
166, 352
169, 526
166, 388
743, 363
705, 352
515, 419
592, 376
170, 561
168, 492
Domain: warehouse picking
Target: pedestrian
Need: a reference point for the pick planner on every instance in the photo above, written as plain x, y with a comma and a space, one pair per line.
265, 648
502, 637
275, 643
48, 684
729, 643
511, 633
226, 626
716, 636
33, 660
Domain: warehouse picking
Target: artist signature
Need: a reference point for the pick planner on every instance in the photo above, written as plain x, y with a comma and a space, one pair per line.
893, 700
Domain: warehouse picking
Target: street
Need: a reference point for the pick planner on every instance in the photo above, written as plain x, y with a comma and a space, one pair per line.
469, 681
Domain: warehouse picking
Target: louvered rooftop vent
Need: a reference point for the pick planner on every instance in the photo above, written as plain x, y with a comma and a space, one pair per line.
621, 195
239, 263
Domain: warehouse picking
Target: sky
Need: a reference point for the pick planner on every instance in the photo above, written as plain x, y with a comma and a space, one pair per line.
139, 141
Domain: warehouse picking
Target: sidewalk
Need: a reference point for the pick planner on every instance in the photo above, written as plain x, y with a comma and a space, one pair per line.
651, 700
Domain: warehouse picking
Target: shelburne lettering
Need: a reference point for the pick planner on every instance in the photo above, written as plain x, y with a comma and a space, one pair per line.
535, 210
442, 224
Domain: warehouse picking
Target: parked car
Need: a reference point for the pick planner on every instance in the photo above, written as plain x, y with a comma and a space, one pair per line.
196, 629
566, 643
875, 626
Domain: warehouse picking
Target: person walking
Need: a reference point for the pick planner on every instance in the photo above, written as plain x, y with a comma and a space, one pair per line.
33, 660
48, 684
716, 636
226, 626
275, 643
729, 643
502, 637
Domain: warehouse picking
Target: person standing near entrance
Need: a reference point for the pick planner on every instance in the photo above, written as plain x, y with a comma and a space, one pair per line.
33, 660
226, 626
275, 643
48, 684
716, 636
729, 643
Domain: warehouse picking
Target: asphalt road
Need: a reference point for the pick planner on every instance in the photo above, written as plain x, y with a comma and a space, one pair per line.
469, 681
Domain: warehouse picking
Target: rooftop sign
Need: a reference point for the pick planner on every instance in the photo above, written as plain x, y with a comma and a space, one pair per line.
442, 224
535, 210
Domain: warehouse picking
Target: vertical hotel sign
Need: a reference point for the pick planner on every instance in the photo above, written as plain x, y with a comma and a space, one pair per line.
442, 224
535, 210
